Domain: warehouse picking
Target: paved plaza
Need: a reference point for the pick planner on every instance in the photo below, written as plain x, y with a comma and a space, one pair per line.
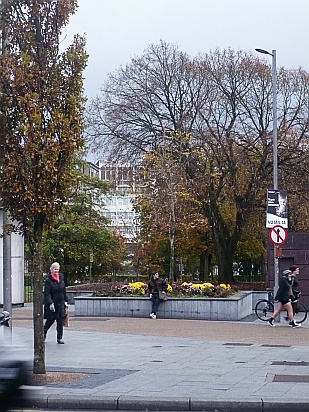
145, 364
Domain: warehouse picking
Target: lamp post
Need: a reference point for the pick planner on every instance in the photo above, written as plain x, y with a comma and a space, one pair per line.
275, 148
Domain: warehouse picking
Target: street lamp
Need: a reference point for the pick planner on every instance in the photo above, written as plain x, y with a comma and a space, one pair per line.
275, 148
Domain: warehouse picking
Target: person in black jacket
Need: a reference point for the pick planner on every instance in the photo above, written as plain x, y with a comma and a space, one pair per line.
295, 287
156, 285
283, 296
55, 301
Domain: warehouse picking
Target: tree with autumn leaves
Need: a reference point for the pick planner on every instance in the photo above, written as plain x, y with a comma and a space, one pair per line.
218, 107
41, 125
166, 208
80, 233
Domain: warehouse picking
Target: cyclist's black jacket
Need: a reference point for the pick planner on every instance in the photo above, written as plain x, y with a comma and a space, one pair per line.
283, 293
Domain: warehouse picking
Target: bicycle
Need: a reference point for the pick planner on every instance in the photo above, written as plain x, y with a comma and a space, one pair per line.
265, 308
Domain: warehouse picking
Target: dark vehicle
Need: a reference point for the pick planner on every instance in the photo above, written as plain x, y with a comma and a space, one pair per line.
13, 373
4, 318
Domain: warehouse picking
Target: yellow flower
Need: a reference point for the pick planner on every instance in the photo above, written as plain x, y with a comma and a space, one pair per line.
136, 285
208, 285
224, 286
198, 286
169, 288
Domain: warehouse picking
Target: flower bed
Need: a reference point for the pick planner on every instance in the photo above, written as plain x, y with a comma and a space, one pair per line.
185, 289
233, 308
185, 301
135, 289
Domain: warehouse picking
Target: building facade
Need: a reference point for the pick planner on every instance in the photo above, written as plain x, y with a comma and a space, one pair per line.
117, 205
17, 265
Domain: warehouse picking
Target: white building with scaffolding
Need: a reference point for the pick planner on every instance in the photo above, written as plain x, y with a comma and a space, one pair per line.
117, 205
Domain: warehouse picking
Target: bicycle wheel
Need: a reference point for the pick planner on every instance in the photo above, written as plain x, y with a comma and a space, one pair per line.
301, 314
264, 309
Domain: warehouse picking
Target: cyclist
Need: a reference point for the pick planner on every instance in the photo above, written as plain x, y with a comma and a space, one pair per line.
294, 291
283, 296
295, 287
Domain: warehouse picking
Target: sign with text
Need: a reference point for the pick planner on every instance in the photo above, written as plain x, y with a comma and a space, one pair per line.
277, 208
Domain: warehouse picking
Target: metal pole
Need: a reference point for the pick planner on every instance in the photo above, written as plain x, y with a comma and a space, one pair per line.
275, 156
7, 268
90, 266
275, 143
275, 149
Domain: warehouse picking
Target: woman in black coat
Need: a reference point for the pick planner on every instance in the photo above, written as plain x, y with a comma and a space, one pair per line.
283, 296
156, 285
55, 301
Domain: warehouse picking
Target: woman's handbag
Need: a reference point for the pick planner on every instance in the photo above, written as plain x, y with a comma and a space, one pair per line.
162, 295
66, 319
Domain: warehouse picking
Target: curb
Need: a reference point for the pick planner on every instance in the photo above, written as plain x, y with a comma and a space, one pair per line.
131, 403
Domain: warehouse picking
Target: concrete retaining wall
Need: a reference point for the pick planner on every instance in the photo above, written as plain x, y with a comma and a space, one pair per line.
256, 296
234, 308
71, 295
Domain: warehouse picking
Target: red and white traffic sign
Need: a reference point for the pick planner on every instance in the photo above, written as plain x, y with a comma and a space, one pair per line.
278, 235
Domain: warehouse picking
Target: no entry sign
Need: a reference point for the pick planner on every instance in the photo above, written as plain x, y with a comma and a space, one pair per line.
278, 235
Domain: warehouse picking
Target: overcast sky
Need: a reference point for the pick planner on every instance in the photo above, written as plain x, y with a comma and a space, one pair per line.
117, 30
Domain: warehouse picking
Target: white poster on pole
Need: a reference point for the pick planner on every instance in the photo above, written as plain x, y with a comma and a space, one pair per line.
277, 208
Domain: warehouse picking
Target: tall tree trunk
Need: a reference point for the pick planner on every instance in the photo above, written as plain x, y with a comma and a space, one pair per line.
225, 265
208, 267
247, 265
172, 239
172, 256
39, 344
225, 248
203, 259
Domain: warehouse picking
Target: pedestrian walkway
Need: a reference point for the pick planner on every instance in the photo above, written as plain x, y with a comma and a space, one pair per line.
139, 364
